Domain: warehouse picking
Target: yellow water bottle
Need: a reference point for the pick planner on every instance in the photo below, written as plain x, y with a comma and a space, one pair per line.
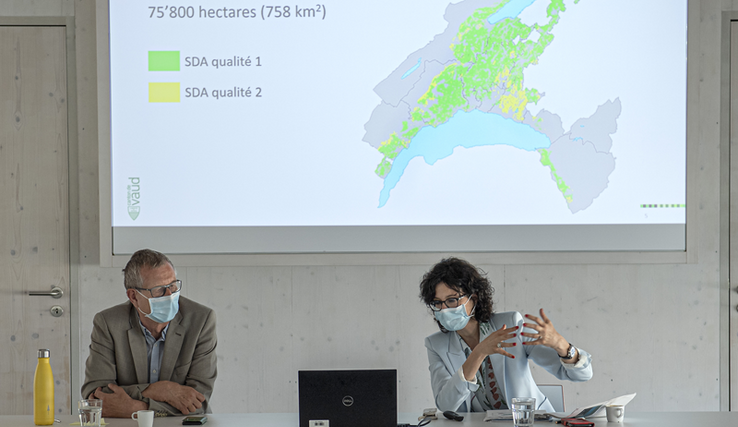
43, 391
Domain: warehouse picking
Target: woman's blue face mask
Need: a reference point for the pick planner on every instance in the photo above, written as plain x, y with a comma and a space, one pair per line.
453, 319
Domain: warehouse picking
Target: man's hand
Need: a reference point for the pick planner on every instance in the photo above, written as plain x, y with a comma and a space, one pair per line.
186, 399
117, 404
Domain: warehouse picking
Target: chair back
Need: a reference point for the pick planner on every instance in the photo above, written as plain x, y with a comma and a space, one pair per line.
555, 394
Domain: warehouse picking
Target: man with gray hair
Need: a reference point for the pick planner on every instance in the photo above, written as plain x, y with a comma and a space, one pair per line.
155, 351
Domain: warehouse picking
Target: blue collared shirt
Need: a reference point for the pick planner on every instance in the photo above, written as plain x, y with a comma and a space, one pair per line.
154, 351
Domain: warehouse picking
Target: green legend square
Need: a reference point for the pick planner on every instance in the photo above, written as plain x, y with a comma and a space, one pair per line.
163, 60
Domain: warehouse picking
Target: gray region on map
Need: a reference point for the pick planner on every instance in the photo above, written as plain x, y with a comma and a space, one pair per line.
579, 159
385, 117
402, 94
394, 88
597, 128
550, 124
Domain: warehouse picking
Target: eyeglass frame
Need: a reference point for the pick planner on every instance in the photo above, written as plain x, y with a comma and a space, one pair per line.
177, 281
445, 302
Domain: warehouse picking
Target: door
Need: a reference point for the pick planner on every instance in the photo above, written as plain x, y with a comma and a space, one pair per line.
34, 213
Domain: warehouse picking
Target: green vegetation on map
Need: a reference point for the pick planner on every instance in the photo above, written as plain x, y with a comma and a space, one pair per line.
489, 64
546, 161
383, 168
391, 147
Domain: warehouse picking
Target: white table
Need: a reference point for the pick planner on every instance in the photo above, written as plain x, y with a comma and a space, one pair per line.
632, 419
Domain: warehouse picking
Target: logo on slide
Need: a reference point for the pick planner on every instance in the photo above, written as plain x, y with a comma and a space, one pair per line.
134, 197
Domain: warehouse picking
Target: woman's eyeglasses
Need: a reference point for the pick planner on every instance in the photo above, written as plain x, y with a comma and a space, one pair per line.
448, 302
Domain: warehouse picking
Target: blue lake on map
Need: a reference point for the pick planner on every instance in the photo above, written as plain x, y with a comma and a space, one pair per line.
510, 10
413, 68
464, 129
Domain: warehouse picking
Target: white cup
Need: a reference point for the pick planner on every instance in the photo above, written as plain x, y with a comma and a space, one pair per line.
145, 418
615, 413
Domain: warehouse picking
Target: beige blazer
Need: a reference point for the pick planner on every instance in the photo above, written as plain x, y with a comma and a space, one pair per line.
118, 353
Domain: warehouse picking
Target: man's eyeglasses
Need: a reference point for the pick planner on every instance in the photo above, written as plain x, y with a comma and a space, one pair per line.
160, 291
449, 302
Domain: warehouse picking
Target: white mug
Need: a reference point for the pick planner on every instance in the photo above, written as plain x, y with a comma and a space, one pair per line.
145, 418
615, 413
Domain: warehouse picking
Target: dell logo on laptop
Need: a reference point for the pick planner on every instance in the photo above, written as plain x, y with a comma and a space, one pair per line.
347, 401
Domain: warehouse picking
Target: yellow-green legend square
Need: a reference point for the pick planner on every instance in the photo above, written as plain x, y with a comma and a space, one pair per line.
163, 92
163, 60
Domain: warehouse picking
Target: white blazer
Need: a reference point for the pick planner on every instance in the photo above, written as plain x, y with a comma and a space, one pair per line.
453, 393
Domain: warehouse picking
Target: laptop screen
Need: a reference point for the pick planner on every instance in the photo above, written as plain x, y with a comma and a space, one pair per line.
348, 398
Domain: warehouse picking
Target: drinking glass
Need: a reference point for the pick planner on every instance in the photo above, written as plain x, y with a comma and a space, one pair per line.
522, 411
90, 412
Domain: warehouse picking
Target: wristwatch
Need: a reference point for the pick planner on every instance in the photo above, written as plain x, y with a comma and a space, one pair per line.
570, 353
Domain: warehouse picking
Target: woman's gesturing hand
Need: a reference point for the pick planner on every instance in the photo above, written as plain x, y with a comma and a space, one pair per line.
545, 334
495, 342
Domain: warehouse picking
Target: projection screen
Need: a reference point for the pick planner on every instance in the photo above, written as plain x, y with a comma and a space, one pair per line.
397, 126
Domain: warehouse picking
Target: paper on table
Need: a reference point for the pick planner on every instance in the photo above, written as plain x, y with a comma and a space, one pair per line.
596, 410
500, 414
506, 414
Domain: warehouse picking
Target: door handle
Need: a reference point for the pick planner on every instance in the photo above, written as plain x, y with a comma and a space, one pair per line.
56, 292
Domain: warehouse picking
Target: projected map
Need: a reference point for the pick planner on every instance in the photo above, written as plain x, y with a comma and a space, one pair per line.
467, 88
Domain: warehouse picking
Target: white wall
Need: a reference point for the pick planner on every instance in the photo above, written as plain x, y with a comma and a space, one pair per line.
653, 329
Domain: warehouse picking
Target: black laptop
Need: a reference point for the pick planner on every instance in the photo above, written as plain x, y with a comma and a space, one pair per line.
356, 398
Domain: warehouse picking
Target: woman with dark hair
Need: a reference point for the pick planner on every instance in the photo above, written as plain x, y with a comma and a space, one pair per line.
479, 359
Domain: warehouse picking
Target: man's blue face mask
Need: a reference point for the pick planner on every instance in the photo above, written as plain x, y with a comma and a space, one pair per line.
163, 309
